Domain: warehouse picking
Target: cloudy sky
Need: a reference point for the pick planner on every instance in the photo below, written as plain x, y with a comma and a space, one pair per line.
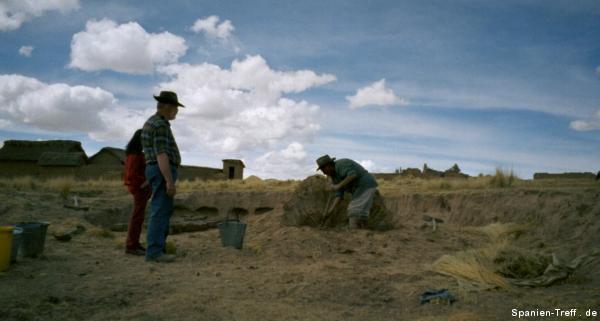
391, 84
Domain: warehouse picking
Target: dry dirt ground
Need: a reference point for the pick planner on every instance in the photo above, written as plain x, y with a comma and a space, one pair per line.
282, 273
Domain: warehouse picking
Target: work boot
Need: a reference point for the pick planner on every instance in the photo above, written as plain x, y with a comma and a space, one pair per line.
135, 251
363, 223
165, 258
353, 223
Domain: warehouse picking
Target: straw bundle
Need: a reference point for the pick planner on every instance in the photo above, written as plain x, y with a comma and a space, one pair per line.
472, 269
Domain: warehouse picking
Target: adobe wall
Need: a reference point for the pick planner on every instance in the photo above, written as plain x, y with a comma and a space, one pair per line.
18, 168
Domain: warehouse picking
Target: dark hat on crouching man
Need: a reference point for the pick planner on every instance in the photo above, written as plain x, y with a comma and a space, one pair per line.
324, 160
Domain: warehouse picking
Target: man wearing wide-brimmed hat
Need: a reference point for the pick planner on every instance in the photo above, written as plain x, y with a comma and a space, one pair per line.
162, 160
349, 176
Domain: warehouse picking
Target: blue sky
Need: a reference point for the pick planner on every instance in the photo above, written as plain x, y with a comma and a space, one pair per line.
392, 84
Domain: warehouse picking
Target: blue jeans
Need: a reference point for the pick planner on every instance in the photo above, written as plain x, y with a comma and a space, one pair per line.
161, 209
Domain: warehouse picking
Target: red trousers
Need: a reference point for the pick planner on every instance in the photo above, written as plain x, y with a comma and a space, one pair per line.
140, 199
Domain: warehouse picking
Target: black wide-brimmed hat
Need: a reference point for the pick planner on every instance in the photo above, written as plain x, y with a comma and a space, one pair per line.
324, 160
168, 97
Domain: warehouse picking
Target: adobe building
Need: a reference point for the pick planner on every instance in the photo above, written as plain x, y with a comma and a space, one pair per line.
574, 175
33, 158
108, 156
107, 163
53, 164
233, 168
67, 158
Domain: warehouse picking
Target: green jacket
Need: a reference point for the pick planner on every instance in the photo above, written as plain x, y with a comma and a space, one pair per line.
345, 167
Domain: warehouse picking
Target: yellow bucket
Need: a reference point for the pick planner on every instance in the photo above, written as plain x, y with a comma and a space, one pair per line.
6, 236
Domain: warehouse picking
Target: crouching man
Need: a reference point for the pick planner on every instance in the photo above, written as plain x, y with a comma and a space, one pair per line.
349, 176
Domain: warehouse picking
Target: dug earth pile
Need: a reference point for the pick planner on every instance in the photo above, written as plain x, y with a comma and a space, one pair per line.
309, 203
289, 269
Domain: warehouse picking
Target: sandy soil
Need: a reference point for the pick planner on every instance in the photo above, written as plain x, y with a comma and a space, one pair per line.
283, 272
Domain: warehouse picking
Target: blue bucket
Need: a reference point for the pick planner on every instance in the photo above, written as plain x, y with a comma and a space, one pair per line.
34, 238
16, 243
232, 233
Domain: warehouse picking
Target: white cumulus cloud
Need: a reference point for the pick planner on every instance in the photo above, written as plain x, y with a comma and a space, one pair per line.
368, 164
376, 94
586, 125
221, 32
26, 51
290, 162
212, 28
13, 13
124, 48
242, 108
62, 108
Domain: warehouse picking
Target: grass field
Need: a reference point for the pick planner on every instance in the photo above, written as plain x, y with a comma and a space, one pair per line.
398, 185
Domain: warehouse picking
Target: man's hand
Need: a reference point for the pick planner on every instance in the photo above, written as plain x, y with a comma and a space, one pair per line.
333, 206
165, 170
145, 185
334, 187
171, 190
343, 184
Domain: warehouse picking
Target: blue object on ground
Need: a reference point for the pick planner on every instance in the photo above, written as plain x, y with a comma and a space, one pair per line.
442, 294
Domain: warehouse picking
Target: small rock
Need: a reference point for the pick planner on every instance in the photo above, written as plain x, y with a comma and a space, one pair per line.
62, 237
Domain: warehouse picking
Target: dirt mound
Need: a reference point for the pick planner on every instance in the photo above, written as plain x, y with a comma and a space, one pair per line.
518, 263
312, 197
308, 204
252, 179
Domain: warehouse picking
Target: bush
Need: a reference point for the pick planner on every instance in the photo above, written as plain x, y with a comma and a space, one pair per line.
502, 179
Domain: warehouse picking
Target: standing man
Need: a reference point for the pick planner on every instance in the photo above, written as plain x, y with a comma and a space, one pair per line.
348, 175
162, 160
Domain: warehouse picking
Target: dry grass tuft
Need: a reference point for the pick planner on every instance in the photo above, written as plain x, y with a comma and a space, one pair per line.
502, 180
475, 269
499, 233
101, 232
63, 185
170, 248
517, 263
120, 244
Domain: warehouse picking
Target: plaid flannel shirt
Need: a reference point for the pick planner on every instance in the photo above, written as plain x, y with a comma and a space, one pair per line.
157, 138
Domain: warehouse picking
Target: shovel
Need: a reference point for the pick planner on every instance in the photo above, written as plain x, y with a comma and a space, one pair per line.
325, 216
